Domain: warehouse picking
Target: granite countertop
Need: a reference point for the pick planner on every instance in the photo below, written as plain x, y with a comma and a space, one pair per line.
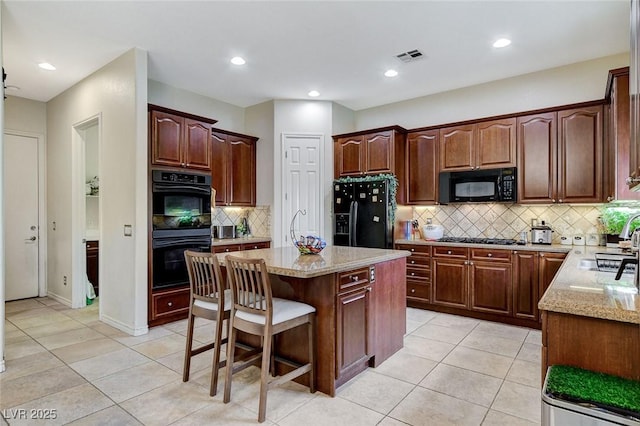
592, 293
288, 261
557, 248
241, 240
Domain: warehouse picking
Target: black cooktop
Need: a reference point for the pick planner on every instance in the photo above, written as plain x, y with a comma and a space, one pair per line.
471, 240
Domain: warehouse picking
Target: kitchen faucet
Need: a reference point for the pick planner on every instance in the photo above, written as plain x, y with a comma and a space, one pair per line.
626, 229
625, 234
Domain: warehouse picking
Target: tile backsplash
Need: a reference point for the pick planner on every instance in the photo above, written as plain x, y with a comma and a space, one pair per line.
508, 220
259, 218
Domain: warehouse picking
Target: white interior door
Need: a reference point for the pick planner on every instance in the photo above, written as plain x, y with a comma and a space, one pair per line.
21, 216
302, 184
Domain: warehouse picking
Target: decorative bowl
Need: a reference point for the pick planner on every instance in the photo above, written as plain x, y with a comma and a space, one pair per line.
310, 244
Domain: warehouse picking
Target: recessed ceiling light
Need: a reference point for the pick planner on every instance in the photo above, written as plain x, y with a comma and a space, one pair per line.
390, 73
237, 60
502, 42
47, 66
314, 93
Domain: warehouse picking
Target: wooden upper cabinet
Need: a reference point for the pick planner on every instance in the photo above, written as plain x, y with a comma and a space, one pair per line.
422, 167
496, 144
580, 155
197, 144
617, 141
179, 139
166, 139
560, 156
371, 152
456, 148
537, 159
349, 156
379, 153
233, 174
485, 145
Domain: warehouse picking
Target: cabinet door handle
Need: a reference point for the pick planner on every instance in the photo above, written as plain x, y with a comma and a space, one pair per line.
369, 288
470, 263
354, 278
560, 200
413, 290
413, 261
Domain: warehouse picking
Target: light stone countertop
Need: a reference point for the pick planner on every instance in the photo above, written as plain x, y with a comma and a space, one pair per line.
241, 240
289, 262
556, 248
592, 293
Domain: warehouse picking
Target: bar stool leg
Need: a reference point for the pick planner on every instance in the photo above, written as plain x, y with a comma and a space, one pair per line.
187, 352
231, 346
264, 374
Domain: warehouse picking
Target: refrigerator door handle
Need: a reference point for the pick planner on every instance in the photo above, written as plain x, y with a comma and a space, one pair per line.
353, 219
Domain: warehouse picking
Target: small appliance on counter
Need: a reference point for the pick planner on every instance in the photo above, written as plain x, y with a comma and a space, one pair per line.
541, 234
432, 232
224, 231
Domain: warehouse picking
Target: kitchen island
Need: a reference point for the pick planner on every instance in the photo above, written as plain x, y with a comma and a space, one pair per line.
360, 300
590, 320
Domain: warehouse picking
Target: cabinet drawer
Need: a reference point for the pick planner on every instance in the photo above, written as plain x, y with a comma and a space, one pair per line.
418, 273
491, 254
226, 248
415, 248
452, 252
92, 245
254, 246
352, 279
418, 291
419, 261
171, 302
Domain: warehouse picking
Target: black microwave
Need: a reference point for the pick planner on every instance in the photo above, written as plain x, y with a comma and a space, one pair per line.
491, 185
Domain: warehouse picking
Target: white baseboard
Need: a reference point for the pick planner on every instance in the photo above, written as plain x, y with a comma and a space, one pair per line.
60, 299
124, 327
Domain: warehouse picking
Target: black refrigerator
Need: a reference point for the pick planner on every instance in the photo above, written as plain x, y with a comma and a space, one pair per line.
361, 214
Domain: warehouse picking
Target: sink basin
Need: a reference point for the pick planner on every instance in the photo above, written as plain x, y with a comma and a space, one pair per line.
588, 265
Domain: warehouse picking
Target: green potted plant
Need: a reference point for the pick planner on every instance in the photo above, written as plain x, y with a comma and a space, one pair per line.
614, 218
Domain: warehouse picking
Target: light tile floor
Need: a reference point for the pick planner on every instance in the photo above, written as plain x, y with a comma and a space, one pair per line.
452, 371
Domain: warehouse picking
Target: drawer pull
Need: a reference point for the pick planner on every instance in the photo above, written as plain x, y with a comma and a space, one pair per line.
413, 261
354, 278
489, 255
413, 290
413, 274
413, 249
448, 251
170, 304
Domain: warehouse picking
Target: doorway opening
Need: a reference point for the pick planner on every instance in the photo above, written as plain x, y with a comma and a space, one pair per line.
86, 213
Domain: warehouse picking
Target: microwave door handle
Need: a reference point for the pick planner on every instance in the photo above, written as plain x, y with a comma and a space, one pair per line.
499, 193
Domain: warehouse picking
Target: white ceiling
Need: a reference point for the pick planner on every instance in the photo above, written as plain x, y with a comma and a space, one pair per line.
339, 48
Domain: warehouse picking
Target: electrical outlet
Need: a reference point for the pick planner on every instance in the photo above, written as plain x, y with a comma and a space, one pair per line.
64, 280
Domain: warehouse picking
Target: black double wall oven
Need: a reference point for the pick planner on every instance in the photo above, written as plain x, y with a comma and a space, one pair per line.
181, 205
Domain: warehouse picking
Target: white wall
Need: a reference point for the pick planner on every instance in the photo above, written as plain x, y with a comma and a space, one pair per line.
343, 120
2, 314
230, 117
25, 115
584, 81
291, 116
117, 94
259, 121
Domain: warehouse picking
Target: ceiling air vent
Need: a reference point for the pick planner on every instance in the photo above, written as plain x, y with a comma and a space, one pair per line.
410, 56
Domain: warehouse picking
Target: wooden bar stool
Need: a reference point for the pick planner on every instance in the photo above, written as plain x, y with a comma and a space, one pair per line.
256, 312
207, 296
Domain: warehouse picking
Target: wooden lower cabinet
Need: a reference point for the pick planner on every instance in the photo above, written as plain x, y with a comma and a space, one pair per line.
494, 284
227, 248
450, 283
525, 284
418, 272
490, 284
353, 348
170, 303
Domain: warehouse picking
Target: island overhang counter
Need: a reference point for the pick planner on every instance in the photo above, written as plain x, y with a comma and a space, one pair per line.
360, 300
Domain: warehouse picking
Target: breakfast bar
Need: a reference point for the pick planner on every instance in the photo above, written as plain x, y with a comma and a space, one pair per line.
360, 300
